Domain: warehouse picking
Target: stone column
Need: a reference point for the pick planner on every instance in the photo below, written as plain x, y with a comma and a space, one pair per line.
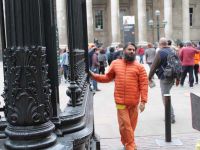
115, 28
142, 22
186, 20
62, 22
90, 24
168, 19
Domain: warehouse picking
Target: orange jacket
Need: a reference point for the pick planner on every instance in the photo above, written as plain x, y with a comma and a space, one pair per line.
131, 83
197, 58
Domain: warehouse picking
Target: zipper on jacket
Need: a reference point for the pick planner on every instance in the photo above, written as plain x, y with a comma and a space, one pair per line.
125, 82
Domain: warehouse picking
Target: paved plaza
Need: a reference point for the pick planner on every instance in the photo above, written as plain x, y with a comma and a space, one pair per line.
151, 122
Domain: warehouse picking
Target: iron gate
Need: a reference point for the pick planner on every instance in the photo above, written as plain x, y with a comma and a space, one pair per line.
31, 95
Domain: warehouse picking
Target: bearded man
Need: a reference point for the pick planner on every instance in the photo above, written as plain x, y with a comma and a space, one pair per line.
131, 89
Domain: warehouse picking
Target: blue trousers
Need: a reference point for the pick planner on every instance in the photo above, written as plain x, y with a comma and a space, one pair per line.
94, 83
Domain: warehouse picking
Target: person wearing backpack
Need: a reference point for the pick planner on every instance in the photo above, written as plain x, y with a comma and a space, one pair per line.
158, 66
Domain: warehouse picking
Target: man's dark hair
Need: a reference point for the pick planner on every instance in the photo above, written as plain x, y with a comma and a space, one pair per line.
112, 49
130, 43
102, 51
94, 49
180, 44
169, 42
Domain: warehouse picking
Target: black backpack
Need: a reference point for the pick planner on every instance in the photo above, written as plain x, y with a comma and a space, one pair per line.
173, 68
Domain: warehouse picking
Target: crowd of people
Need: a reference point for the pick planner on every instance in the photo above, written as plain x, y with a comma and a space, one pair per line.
100, 58
126, 69
131, 80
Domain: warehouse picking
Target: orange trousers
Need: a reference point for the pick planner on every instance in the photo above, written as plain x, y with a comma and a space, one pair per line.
127, 119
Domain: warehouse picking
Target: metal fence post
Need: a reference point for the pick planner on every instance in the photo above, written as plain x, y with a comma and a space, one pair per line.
167, 117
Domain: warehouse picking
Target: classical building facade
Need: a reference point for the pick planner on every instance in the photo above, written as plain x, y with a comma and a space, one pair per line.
105, 20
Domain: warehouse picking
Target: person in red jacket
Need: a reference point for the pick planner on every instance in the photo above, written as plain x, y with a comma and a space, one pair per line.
131, 89
187, 59
141, 52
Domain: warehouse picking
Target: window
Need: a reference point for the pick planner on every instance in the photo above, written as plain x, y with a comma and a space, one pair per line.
99, 19
191, 13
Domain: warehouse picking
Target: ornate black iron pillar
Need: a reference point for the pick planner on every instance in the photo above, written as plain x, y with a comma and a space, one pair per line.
27, 90
3, 122
51, 45
74, 41
85, 37
2, 28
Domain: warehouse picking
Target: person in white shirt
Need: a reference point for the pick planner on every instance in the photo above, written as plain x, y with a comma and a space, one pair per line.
65, 64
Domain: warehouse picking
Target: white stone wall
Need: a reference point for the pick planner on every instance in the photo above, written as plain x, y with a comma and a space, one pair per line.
177, 20
195, 29
62, 22
105, 35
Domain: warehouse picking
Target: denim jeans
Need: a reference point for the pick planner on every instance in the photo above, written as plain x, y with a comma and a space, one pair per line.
141, 59
65, 68
94, 82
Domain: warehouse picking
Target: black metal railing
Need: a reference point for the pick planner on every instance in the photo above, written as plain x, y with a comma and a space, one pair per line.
31, 83
77, 48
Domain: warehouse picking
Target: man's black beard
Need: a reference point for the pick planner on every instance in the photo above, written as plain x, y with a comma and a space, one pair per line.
128, 57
